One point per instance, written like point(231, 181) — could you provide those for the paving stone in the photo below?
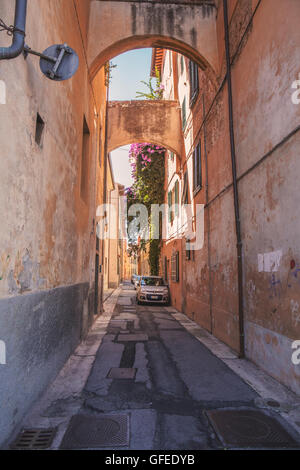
point(127, 316)
point(183, 432)
point(141, 364)
point(121, 373)
point(118, 324)
point(137, 337)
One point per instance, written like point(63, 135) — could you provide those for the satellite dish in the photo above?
point(59, 62)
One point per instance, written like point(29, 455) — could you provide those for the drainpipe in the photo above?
point(104, 195)
point(18, 32)
point(235, 186)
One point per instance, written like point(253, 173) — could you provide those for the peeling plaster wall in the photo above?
point(47, 232)
point(265, 65)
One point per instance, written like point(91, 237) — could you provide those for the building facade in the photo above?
point(205, 283)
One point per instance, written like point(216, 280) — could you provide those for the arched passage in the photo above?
point(116, 27)
point(156, 121)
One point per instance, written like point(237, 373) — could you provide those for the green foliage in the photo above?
point(148, 188)
point(153, 93)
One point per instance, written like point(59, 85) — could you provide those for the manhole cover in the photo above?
point(86, 431)
point(250, 428)
point(34, 439)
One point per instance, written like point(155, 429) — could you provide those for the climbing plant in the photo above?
point(148, 171)
point(153, 93)
point(147, 162)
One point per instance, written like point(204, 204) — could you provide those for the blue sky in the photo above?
point(132, 67)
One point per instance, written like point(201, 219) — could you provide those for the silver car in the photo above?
point(152, 289)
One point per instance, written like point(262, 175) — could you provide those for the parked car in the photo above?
point(152, 289)
point(135, 278)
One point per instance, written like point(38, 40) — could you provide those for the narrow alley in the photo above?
point(149, 236)
point(148, 374)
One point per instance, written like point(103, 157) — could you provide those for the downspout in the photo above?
point(104, 195)
point(18, 32)
point(235, 186)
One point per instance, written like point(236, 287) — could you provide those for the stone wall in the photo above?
point(47, 231)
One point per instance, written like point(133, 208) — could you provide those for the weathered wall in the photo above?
point(266, 126)
point(266, 119)
point(46, 228)
point(156, 121)
point(116, 27)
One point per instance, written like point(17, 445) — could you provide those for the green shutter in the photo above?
point(183, 113)
point(176, 198)
point(170, 206)
point(182, 64)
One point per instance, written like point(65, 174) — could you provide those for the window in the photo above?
point(176, 190)
point(85, 160)
point(170, 63)
point(187, 251)
point(197, 168)
point(39, 129)
point(185, 194)
point(182, 64)
point(172, 156)
point(166, 269)
point(194, 82)
point(175, 267)
point(183, 113)
point(100, 147)
point(170, 206)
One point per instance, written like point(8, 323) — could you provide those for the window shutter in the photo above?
point(176, 198)
point(197, 168)
point(170, 206)
point(194, 81)
point(183, 113)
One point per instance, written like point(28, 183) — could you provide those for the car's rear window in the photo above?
point(152, 281)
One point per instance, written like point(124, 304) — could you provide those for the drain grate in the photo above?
point(250, 428)
point(90, 432)
point(34, 439)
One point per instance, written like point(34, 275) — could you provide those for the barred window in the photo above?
point(175, 267)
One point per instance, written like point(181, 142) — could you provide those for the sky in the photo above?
point(132, 67)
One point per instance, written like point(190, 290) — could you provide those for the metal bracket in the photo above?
point(64, 49)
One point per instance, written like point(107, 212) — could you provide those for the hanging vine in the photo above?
point(147, 162)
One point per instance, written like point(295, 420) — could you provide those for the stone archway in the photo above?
point(158, 122)
point(188, 27)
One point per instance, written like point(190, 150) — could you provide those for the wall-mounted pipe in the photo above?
point(19, 32)
point(235, 185)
